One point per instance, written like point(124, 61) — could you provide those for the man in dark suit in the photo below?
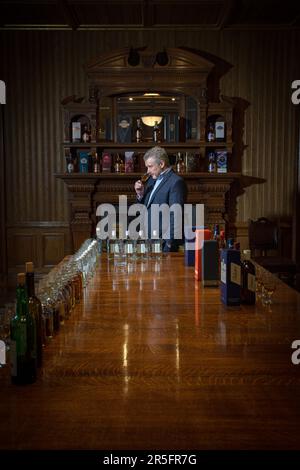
point(165, 187)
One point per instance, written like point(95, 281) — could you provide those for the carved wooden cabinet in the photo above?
point(196, 122)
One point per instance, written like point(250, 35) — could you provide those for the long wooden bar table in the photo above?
point(151, 360)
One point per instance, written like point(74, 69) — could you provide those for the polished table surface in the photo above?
point(151, 360)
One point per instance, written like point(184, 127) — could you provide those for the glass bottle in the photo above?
point(35, 308)
point(211, 162)
point(111, 245)
point(96, 164)
point(142, 246)
point(129, 245)
point(211, 132)
point(70, 164)
point(156, 246)
point(247, 279)
point(118, 165)
point(180, 166)
point(216, 234)
point(156, 132)
point(138, 132)
point(23, 339)
point(85, 135)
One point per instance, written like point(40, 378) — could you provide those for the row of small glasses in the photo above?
point(58, 292)
point(62, 288)
point(266, 284)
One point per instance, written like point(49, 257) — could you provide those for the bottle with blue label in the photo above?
point(230, 277)
point(84, 162)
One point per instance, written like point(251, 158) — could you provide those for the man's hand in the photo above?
point(139, 188)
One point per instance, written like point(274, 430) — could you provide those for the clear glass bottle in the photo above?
point(138, 132)
point(156, 246)
point(180, 165)
point(211, 132)
point(118, 164)
point(129, 245)
point(247, 279)
point(156, 133)
point(142, 246)
point(111, 245)
point(86, 136)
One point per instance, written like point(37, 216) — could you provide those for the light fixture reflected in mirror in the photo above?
point(151, 120)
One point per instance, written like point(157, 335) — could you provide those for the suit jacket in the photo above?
point(171, 190)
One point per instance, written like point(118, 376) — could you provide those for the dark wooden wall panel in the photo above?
point(53, 248)
point(45, 244)
point(40, 68)
point(22, 248)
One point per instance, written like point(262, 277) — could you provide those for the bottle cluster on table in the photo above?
point(124, 249)
point(219, 262)
point(40, 313)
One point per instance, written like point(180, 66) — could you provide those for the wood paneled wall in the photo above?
point(40, 68)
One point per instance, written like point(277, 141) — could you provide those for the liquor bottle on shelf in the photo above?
point(35, 308)
point(211, 132)
point(247, 279)
point(86, 136)
point(23, 339)
point(70, 164)
point(180, 165)
point(156, 133)
point(96, 163)
point(138, 132)
point(118, 164)
point(212, 162)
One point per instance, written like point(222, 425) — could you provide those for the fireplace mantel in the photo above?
point(87, 191)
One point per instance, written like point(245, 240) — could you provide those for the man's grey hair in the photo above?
point(159, 154)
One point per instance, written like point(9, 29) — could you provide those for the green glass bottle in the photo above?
point(23, 339)
point(35, 308)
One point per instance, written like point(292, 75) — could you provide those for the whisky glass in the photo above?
point(145, 177)
point(269, 287)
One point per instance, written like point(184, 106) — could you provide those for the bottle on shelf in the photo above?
point(212, 167)
point(23, 339)
point(247, 279)
point(211, 132)
point(86, 136)
point(156, 133)
point(180, 165)
point(96, 163)
point(70, 164)
point(138, 132)
point(35, 308)
point(118, 164)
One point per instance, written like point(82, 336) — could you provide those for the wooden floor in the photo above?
point(151, 360)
